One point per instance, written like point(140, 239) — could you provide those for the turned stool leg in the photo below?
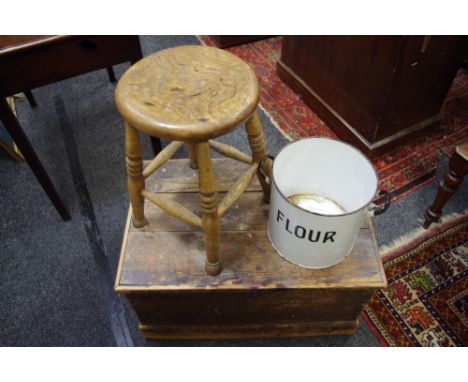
point(136, 182)
point(257, 145)
point(453, 178)
point(209, 203)
point(192, 155)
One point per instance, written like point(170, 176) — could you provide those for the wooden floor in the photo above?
point(258, 294)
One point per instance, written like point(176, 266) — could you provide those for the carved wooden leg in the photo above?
point(209, 203)
point(258, 147)
point(10, 122)
point(192, 155)
point(453, 178)
point(136, 182)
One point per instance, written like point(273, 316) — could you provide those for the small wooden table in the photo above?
point(27, 62)
point(259, 294)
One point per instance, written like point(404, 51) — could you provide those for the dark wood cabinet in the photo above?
point(226, 41)
point(373, 91)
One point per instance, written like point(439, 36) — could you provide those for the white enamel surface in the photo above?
point(325, 167)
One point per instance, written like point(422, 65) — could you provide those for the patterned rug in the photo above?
point(401, 170)
point(426, 302)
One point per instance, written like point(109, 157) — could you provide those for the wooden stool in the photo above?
point(453, 178)
point(191, 94)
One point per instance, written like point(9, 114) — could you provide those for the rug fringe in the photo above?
point(275, 124)
point(415, 237)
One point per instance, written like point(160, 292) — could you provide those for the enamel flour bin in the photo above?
point(339, 180)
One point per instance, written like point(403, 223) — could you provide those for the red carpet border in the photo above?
point(401, 170)
point(426, 301)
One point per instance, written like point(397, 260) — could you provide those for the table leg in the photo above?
point(30, 98)
point(259, 150)
point(111, 74)
point(21, 140)
point(192, 155)
point(209, 204)
point(136, 181)
point(452, 180)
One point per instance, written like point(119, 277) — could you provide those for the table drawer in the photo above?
point(61, 57)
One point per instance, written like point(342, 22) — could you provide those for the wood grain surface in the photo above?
point(259, 294)
point(135, 178)
point(10, 42)
point(259, 150)
point(188, 93)
point(264, 330)
point(177, 261)
point(209, 206)
point(174, 177)
point(452, 180)
point(162, 158)
point(230, 152)
point(375, 92)
point(60, 57)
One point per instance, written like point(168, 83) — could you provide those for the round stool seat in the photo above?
point(187, 93)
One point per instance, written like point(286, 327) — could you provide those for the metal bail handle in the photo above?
point(261, 170)
point(380, 209)
point(375, 209)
